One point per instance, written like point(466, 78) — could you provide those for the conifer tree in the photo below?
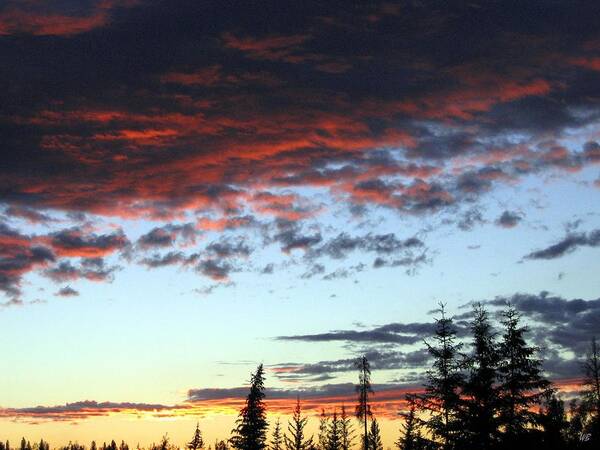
point(93, 446)
point(197, 442)
point(375, 442)
point(346, 430)
point(323, 429)
point(480, 396)
point(441, 401)
point(334, 437)
point(591, 383)
point(250, 432)
point(295, 438)
point(363, 408)
point(409, 430)
point(277, 442)
point(554, 424)
point(521, 383)
point(2, 447)
point(23, 444)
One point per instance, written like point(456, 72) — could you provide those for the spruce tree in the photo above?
point(554, 424)
point(296, 440)
point(375, 442)
point(277, 441)
point(346, 430)
point(480, 395)
point(441, 401)
point(323, 429)
point(591, 383)
point(197, 442)
point(409, 430)
point(363, 389)
point(521, 383)
point(250, 432)
point(334, 435)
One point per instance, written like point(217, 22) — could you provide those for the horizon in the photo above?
point(189, 189)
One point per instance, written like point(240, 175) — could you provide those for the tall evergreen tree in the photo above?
point(346, 430)
point(277, 442)
point(591, 383)
point(334, 435)
point(375, 442)
point(441, 400)
point(364, 390)
point(409, 430)
point(323, 430)
point(295, 438)
point(554, 424)
point(521, 383)
point(197, 442)
point(93, 446)
point(23, 444)
point(479, 422)
point(250, 432)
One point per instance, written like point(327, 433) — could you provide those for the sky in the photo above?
point(189, 189)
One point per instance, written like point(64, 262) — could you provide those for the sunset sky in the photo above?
point(190, 188)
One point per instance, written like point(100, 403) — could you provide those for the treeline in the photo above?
point(488, 393)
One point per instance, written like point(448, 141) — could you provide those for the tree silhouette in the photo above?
point(363, 389)
point(441, 400)
point(521, 383)
point(479, 407)
point(296, 440)
point(334, 435)
point(553, 421)
point(375, 442)
point(323, 429)
point(277, 442)
point(409, 429)
point(591, 384)
point(250, 432)
point(346, 430)
point(197, 442)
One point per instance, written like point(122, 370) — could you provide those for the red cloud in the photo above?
point(17, 18)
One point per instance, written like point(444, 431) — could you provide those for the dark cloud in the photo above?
point(391, 333)
point(168, 259)
point(76, 242)
point(217, 270)
point(509, 219)
point(80, 410)
point(67, 291)
point(470, 219)
point(92, 269)
point(166, 236)
point(556, 322)
point(567, 245)
point(29, 214)
point(19, 254)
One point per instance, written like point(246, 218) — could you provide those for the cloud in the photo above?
point(559, 326)
point(19, 254)
point(509, 219)
point(91, 269)
point(67, 291)
point(76, 242)
point(165, 236)
point(568, 244)
point(83, 410)
point(397, 333)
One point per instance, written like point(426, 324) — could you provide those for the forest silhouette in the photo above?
point(488, 392)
